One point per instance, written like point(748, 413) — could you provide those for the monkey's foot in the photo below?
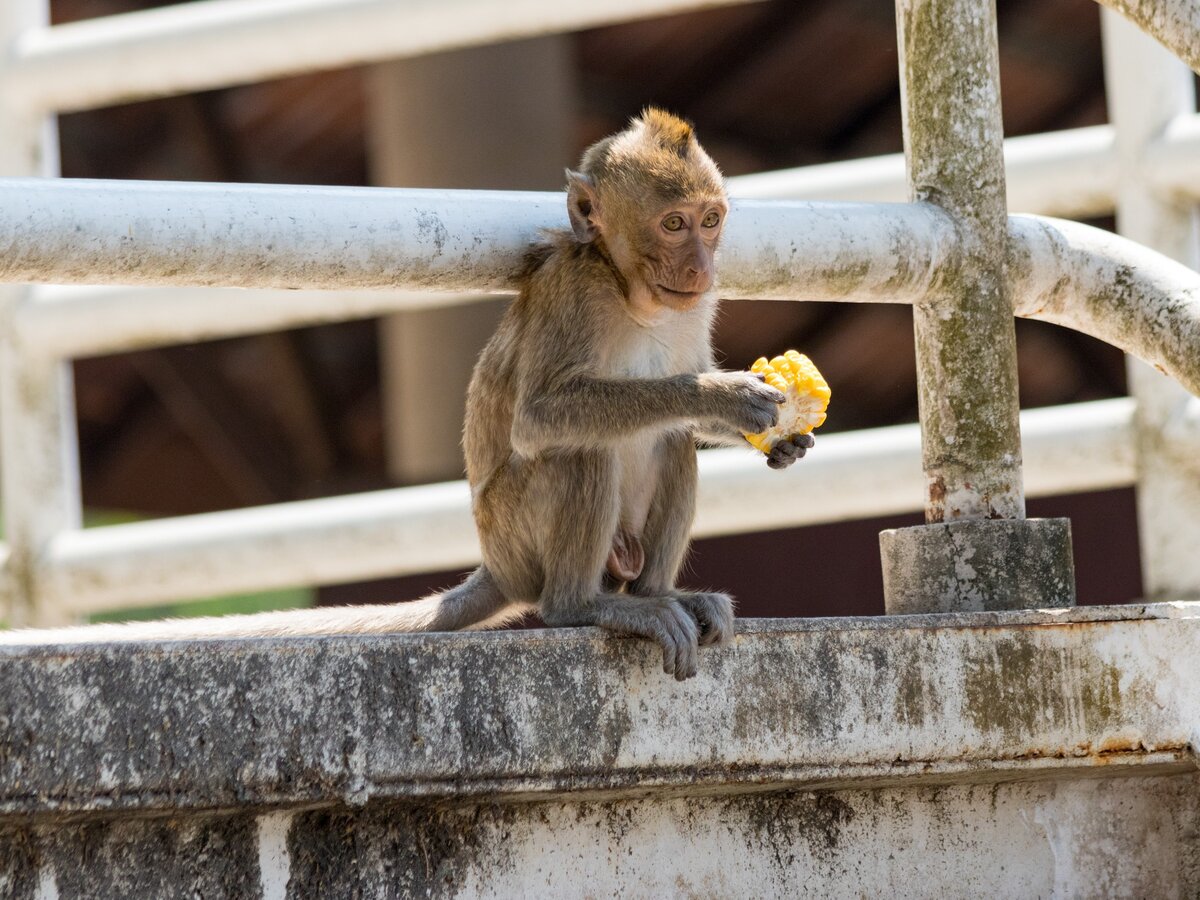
point(666, 621)
point(713, 612)
point(662, 619)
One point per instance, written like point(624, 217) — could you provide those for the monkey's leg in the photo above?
point(665, 540)
point(578, 501)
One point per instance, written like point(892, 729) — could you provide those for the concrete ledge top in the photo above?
point(95, 729)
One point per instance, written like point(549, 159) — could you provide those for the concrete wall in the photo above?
point(1127, 837)
point(957, 755)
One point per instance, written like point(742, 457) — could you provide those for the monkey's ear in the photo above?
point(581, 207)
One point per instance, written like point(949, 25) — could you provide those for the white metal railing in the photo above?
point(1071, 173)
point(1069, 449)
point(296, 238)
point(216, 43)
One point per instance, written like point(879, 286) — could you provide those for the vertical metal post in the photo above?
point(977, 551)
point(1147, 88)
point(40, 468)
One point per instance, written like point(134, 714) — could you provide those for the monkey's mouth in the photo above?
point(677, 299)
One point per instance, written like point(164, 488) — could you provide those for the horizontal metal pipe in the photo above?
point(1109, 287)
point(1069, 173)
point(1062, 173)
point(162, 233)
point(71, 321)
point(216, 43)
point(470, 241)
point(859, 474)
point(376, 239)
point(311, 542)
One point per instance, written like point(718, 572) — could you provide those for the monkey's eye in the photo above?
point(711, 220)
point(672, 223)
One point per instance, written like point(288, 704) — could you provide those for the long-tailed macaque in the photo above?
point(582, 421)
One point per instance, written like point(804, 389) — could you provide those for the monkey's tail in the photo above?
point(476, 603)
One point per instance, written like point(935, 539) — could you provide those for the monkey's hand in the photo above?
point(742, 399)
point(790, 449)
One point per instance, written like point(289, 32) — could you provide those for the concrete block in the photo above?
point(906, 756)
point(978, 564)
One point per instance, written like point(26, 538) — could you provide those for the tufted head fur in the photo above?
point(658, 155)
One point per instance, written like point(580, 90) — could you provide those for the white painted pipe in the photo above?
point(1070, 173)
point(327, 541)
point(163, 233)
point(70, 321)
point(1063, 173)
point(1172, 163)
point(158, 233)
point(1109, 287)
point(859, 474)
point(1151, 98)
point(216, 43)
point(461, 241)
point(1173, 23)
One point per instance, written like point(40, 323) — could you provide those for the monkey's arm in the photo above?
point(581, 411)
point(717, 434)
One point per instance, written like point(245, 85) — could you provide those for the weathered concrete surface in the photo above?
point(980, 564)
point(907, 756)
point(1133, 837)
point(1128, 837)
point(204, 725)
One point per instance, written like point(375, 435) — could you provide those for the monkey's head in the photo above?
point(656, 202)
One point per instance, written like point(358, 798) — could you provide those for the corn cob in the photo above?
point(807, 397)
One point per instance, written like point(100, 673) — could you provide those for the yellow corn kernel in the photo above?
point(807, 393)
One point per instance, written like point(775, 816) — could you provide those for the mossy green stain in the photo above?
point(1017, 685)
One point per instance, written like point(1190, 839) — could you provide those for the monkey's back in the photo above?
point(550, 312)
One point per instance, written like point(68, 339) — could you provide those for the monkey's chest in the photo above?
point(648, 353)
point(674, 348)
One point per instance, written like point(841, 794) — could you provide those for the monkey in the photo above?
point(582, 419)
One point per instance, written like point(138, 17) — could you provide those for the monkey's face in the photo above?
point(665, 250)
point(679, 241)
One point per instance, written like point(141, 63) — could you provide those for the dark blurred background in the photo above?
point(340, 408)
